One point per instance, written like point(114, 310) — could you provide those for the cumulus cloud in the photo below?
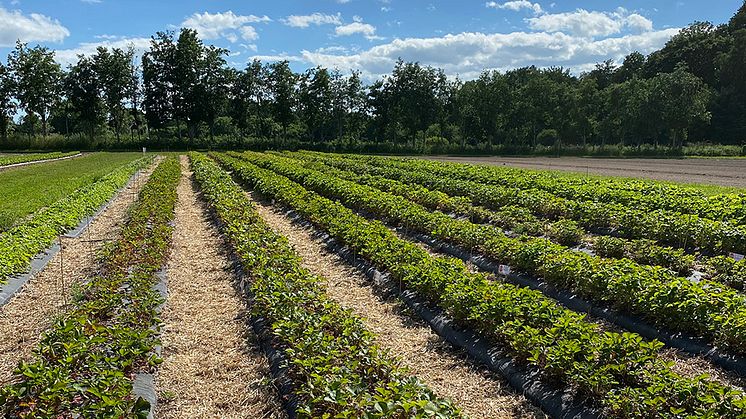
point(70, 56)
point(516, 5)
point(34, 27)
point(304, 21)
point(357, 27)
point(590, 23)
point(226, 25)
point(468, 54)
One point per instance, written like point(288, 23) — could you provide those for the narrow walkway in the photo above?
point(30, 312)
point(480, 393)
point(211, 367)
point(28, 163)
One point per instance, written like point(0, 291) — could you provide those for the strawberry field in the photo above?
point(352, 277)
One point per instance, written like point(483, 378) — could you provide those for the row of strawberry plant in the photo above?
point(85, 364)
point(519, 221)
point(335, 366)
point(705, 308)
point(20, 244)
point(650, 195)
point(619, 371)
point(26, 158)
point(680, 230)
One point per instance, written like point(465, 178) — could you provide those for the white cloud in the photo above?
point(590, 23)
point(468, 54)
point(304, 21)
point(248, 33)
point(224, 25)
point(91, 1)
point(515, 5)
point(357, 27)
point(70, 56)
point(34, 27)
point(640, 23)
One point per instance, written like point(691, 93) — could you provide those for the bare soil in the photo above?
point(722, 172)
point(480, 393)
point(32, 310)
point(212, 366)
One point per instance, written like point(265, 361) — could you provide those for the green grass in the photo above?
point(25, 190)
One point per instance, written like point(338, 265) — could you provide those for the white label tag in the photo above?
point(737, 256)
point(503, 270)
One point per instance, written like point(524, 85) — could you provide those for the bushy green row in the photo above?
point(705, 308)
point(85, 363)
point(20, 244)
point(619, 371)
point(518, 220)
point(664, 226)
point(25, 158)
point(644, 194)
point(336, 368)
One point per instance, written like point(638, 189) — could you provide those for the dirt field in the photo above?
point(723, 172)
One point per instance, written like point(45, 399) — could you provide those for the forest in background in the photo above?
point(687, 98)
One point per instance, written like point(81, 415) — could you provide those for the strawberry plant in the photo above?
point(610, 368)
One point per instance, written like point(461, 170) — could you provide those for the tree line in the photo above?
point(184, 94)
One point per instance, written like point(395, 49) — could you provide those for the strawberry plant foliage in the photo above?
point(619, 371)
point(20, 244)
point(85, 363)
point(336, 368)
point(705, 308)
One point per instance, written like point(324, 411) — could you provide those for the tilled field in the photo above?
point(722, 172)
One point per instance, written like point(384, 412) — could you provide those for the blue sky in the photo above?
point(463, 37)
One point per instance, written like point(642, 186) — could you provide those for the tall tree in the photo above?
point(282, 82)
point(7, 105)
point(115, 73)
point(37, 79)
point(159, 80)
point(684, 102)
point(84, 89)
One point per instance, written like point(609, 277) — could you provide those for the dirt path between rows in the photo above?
point(723, 172)
point(211, 367)
point(31, 311)
point(480, 393)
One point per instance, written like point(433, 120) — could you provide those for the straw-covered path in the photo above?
point(212, 367)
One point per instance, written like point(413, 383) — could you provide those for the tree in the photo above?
point(684, 101)
point(115, 73)
point(212, 87)
point(84, 89)
point(730, 112)
point(7, 105)
point(698, 46)
point(37, 79)
point(282, 82)
point(159, 80)
point(247, 98)
point(315, 103)
point(632, 66)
